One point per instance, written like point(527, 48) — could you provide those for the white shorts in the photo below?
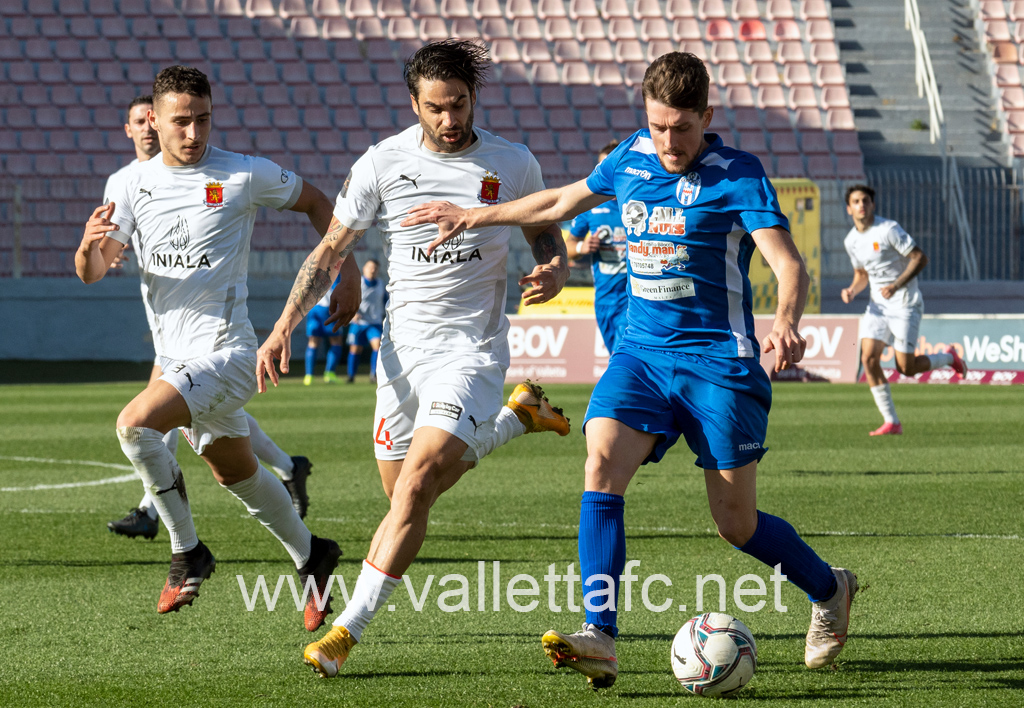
point(457, 391)
point(215, 387)
point(896, 327)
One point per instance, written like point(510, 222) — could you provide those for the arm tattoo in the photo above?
point(546, 247)
point(311, 284)
point(334, 233)
point(351, 246)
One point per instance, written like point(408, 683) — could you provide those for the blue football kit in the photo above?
point(609, 267)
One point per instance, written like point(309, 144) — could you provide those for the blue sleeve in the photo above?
point(580, 226)
point(752, 200)
point(602, 179)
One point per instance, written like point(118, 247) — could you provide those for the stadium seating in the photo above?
point(1002, 26)
point(312, 83)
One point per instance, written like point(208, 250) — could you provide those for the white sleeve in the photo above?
point(901, 240)
point(117, 191)
point(857, 265)
point(270, 185)
point(359, 199)
point(533, 181)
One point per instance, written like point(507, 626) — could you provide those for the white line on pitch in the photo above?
point(70, 485)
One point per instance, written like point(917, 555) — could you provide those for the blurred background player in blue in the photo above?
point(316, 329)
point(365, 328)
point(600, 234)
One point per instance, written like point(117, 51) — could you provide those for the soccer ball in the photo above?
point(714, 655)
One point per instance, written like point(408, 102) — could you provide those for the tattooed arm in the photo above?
point(548, 278)
point(312, 283)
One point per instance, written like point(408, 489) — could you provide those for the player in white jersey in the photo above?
point(885, 257)
point(192, 209)
point(293, 470)
point(444, 351)
point(367, 326)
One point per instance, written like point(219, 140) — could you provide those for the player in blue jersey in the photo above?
point(600, 234)
point(688, 363)
point(366, 327)
point(317, 329)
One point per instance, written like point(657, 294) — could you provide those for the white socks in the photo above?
point(268, 451)
point(266, 499)
point(373, 588)
point(940, 360)
point(883, 399)
point(506, 427)
point(146, 505)
point(162, 478)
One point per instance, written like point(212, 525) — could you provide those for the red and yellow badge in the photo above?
point(214, 194)
point(875, 245)
point(489, 188)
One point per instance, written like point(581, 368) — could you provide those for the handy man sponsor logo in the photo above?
point(214, 194)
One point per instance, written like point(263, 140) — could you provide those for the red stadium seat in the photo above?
point(719, 30)
point(786, 31)
point(752, 31)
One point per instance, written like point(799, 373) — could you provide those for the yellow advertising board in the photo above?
point(800, 201)
point(571, 301)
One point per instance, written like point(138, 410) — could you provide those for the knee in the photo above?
point(600, 475)
point(416, 493)
point(131, 417)
point(736, 526)
point(869, 360)
point(137, 441)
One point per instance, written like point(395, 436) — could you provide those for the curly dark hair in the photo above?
point(181, 79)
point(678, 80)
point(140, 101)
point(449, 59)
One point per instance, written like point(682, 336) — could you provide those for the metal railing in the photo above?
point(927, 87)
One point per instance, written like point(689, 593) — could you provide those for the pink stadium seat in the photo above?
point(659, 48)
point(24, 27)
point(590, 28)
point(159, 50)
point(715, 97)
point(386, 9)
point(529, 117)
point(635, 73)
point(617, 97)
point(558, 28)
point(175, 28)
point(834, 97)
point(813, 10)
point(1016, 10)
point(752, 31)
point(598, 50)
point(276, 97)
point(51, 72)
point(624, 119)
point(764, 74)
point(127, 50)
point(567, 50)
point(481, 9)
point(34, 141)
point(686, 29)
point(824, 53)
point(379, 119)
point(1018, 145)
point(493, 28)
point(820, 167)
point(369, 96)
point(114, 28)
point(720, 123)
point(255, 117)
point(732, 74)
point(504, 50)
point(724, 51)
point(677, 9)
point(501, 119)
point(654, 30)
point(240, 28)
point(465, 28)
point(191, 8)
point(845, 142)
point(756, 52)
point(132, 8)
point(540, 141)
point(997, 31)
point(38, 49)
point(19, 165)
point(583, 9)
point(797, 74)
point(259, 8)
point(746, 119)
point(829, 75)
point(779, 9)
point(593, 119)
point(607, 75)
point(227, 8)
point(238, 141)
point(719, 30)
point(526, 28)
point(515, 9)
point(850, 166)
point(790, 52)
point(802, 97)
point(1018, 34)
point(534, 51)
point(220, 50)
point(814, 142)
point(612, 9)
point(630, 50)
point(820, 31)
point(339, 28)
point(292, 8)
point(739, 97)
point(776, 119)
point(83, 27)
point(597, 139)
point(786, 31)
point(752, 141)
point(76, 118)
point(547, 74)
point(647, 10)
point(419, 9)
point(784, 143)
point(621, 28)
point(770, 97)
point(35, 95)
point(1012, 98)
point(790, 166)
point(696, 48)
point(370, 28)
point(577, 74)
point(65, 8)
point(327, 8)
point(547, 9)
point(1015, 121)
point(522, 97)
point(711, 10)
point(434, 28)
point(570, 141)
point(359, 9)
point(283, 50)
point(82, 72)
point(251, 50)
point(400, 28)
point(839, 119)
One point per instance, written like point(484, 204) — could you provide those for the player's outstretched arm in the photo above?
point(916, 261)
point(97, 251)
point(552, 270)
point(860, 281)
point(537, 209)
point(777, 247)
point(312, 283)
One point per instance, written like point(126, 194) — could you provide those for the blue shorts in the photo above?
point(360, 335)
point(612, 323)
point(315, 326)
point(719, 405)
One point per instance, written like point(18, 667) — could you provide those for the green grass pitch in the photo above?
point(932, 521)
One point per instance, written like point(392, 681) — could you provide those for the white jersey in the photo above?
point(883, 252)
point(191, 227)
point(455, 298)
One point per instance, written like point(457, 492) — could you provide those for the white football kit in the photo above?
point(444, 350)
point(883, 252)
point(191, 228)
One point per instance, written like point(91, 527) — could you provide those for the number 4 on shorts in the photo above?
point(386, 442)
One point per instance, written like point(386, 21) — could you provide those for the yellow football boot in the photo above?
point(531, 406)
point(327, 655)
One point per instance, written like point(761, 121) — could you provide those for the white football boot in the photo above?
point(589, 651)
point(829, 622)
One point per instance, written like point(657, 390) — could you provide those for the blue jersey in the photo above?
point(689, 244)
point(609, 263)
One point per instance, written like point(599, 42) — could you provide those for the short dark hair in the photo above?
point(140, 101)
point(607, 149)
point(446, 60)
point(181, 79)
point(678, 80)
point(372, 260)
point(860, 188)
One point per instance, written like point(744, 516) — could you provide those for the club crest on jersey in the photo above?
point(634, 217)
point(214, 194)
point(489, 188)
point(875, 245)
point(688, 188)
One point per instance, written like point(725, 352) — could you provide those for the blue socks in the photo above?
point(353, 364)
point(373, 363)
point(333, 355)
point(310, 360)
point(776, 541)
point(602, 543)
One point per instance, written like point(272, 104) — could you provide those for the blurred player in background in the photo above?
point(365, 328)
point(192, 212)
point(317, 329)
point(688, 363)
point(885, 257)
point(293, 470)
point(444, 350)
point(600, 234)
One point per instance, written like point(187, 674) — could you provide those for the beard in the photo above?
point(437, 138)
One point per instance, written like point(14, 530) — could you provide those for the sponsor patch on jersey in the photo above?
point(449, 410)
point(634, 217)
point(667, 220)
point(874, 246)
point(651, 257)
point(214, 194)
point(178, 237)
point(489, 188)
point(688, 188)
point(665, 289)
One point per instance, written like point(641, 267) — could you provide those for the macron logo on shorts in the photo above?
point(746, 447)
point(446, 409)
